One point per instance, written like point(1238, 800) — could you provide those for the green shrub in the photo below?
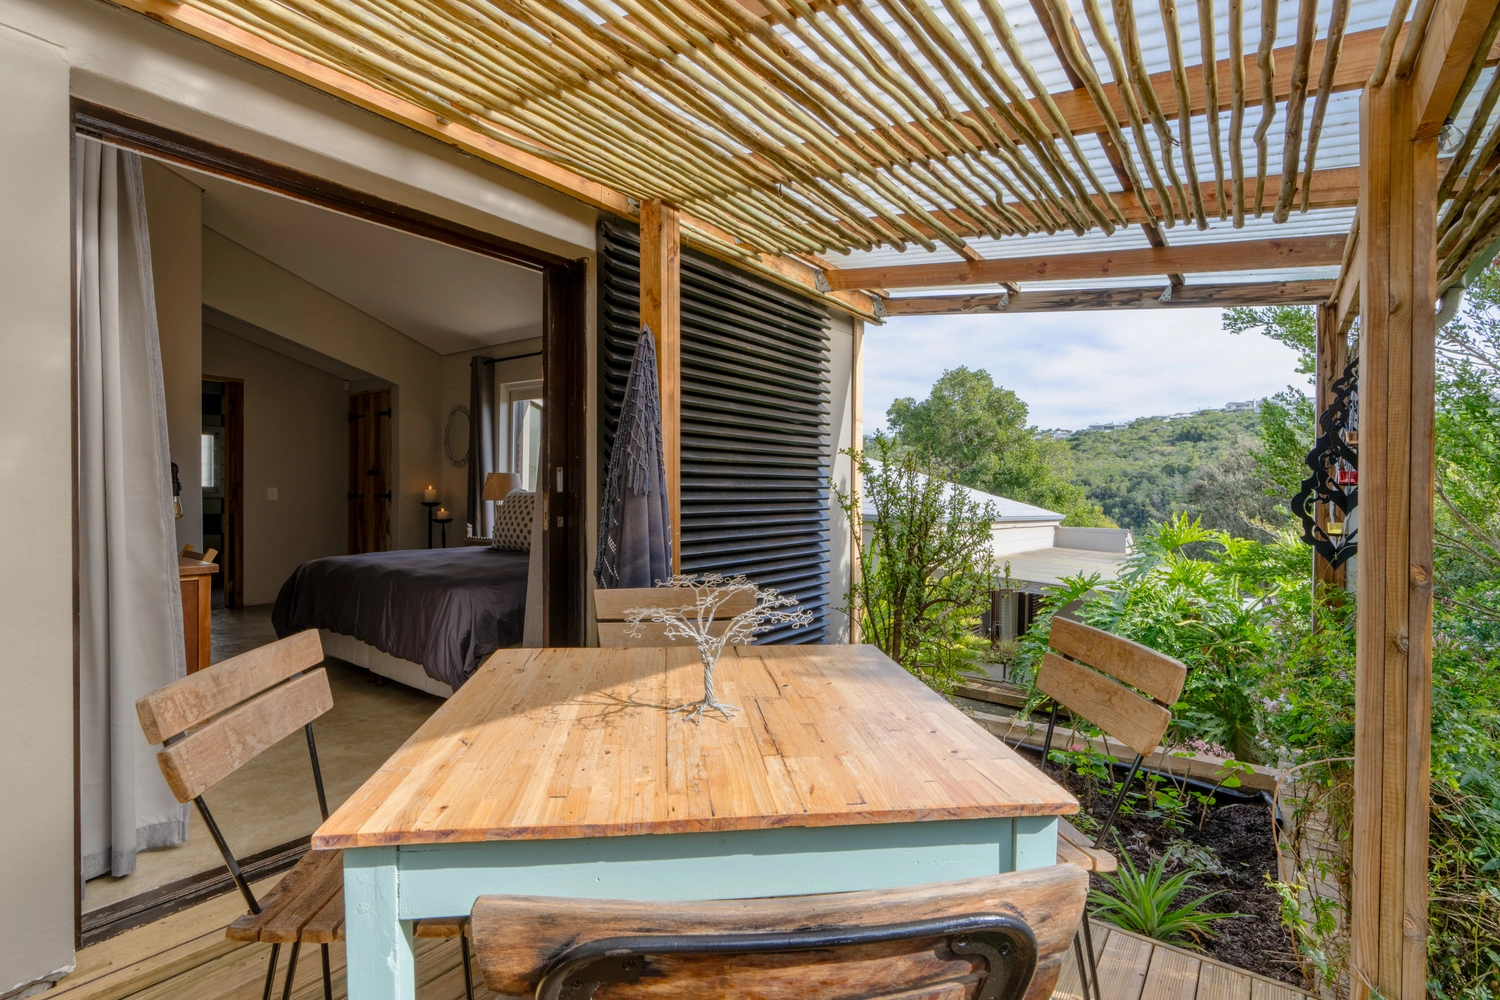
point(1142, 902)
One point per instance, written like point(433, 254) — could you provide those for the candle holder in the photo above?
point(444, 521)
point(430, 504)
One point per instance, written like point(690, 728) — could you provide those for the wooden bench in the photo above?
point(1000, 936)
point(610, 607)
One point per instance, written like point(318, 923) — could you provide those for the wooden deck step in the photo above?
point(1132, 967)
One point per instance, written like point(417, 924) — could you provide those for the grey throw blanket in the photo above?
point(635, 538)
point(447, 609)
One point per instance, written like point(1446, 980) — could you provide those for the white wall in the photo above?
point(174, 213)
point(37, 855)
point(296, 440)
point(255, 290)
point(1010, 537)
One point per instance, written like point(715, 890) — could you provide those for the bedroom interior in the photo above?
point(318, 373)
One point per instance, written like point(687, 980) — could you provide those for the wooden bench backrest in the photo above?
point(1100, 677)
point(237, 709)
point(519, 939)
point(610, 607)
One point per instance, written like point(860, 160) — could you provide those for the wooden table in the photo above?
point(197, 609)
point(559, 772)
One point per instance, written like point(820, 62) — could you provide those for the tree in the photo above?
point(926, 570)
point(977, 433)
point(1287, 420)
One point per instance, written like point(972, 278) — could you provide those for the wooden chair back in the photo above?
point(236, 710)
point(1122, 687)
point(1000, 937)
point(610, 607)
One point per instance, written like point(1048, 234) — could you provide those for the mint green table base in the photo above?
point(386, 888)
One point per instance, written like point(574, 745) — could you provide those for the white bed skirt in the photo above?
point(362, 654)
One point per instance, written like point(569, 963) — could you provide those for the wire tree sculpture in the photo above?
point(694, 620)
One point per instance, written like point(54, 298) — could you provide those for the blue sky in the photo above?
point(1074, 369)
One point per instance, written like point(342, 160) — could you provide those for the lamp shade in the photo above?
point(497, 485)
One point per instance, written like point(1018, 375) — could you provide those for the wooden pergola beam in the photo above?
point(1393, 649)
point(1332, 356)
point(1086, 299)
point(1242, 255)
point(1449, 48)
point(661, 313)
point(1337, 187)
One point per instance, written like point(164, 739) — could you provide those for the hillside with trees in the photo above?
point(1204, 464)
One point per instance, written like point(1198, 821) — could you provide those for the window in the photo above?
point(520, 436)
point(209, 455)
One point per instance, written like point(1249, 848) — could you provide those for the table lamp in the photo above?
point(497, 485)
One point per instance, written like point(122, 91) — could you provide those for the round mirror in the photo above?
point(456, 435)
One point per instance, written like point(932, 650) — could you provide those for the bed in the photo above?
point(426, 618)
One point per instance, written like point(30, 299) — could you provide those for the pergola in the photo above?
point(939, 156)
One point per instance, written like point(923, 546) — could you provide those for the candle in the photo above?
point(429, 495)
point(442, 514)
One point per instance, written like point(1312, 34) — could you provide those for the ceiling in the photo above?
point(446, 299)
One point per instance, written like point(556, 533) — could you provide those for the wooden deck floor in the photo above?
point(185, 957)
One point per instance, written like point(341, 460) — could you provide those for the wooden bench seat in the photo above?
point(307, 905)
point(1075, 848)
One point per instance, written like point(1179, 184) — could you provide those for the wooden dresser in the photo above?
point(197, 604)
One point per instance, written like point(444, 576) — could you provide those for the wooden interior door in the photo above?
point(369, 471)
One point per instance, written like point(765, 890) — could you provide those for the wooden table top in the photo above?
point(195, 567)
point(555, 743)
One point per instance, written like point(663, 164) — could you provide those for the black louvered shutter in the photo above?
point(755, 431)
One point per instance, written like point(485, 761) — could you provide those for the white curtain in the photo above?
point(130, 629)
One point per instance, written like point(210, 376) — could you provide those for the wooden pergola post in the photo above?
point(1333, 355)
point(1393, 681)
point(661, 310)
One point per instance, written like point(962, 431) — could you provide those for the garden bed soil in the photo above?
point(1242, 836)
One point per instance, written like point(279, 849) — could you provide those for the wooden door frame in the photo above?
point(234, 488)
point(564, 357)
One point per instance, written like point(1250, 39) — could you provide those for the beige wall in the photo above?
point(255, 290)
point(37, 856)
point(297, 441)
point(174, 213)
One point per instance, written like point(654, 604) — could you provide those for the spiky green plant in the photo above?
point(1143, 904)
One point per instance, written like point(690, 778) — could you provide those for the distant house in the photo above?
point(1245, 406)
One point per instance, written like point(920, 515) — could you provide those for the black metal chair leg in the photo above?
point(1119, 801)
point(1088, 946)
point(291, 970)
point(1083, 969)
point(271, 971)
point(327, 976)
point(463, 945)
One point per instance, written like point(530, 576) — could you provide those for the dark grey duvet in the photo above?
point(446, 609)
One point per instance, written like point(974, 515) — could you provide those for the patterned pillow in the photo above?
point(513, 522)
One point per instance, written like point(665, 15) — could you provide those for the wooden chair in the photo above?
point(213, 722)
point(1000, 937)
point(610, 607)
point(1125, 689)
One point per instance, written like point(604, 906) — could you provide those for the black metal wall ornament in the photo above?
point(1334, 461)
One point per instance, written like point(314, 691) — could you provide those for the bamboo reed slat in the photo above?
point(1388, 42)
point(1265, 60)
point(1209, 60)
point(1237, 107)
point(1130, 39)
point(1338, 20)
point(1291, 149)
point(1184, 106)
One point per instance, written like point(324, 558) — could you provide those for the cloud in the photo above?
point(1075, 369)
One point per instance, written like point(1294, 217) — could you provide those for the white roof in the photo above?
point(1049, 567)
point(1008, 510)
